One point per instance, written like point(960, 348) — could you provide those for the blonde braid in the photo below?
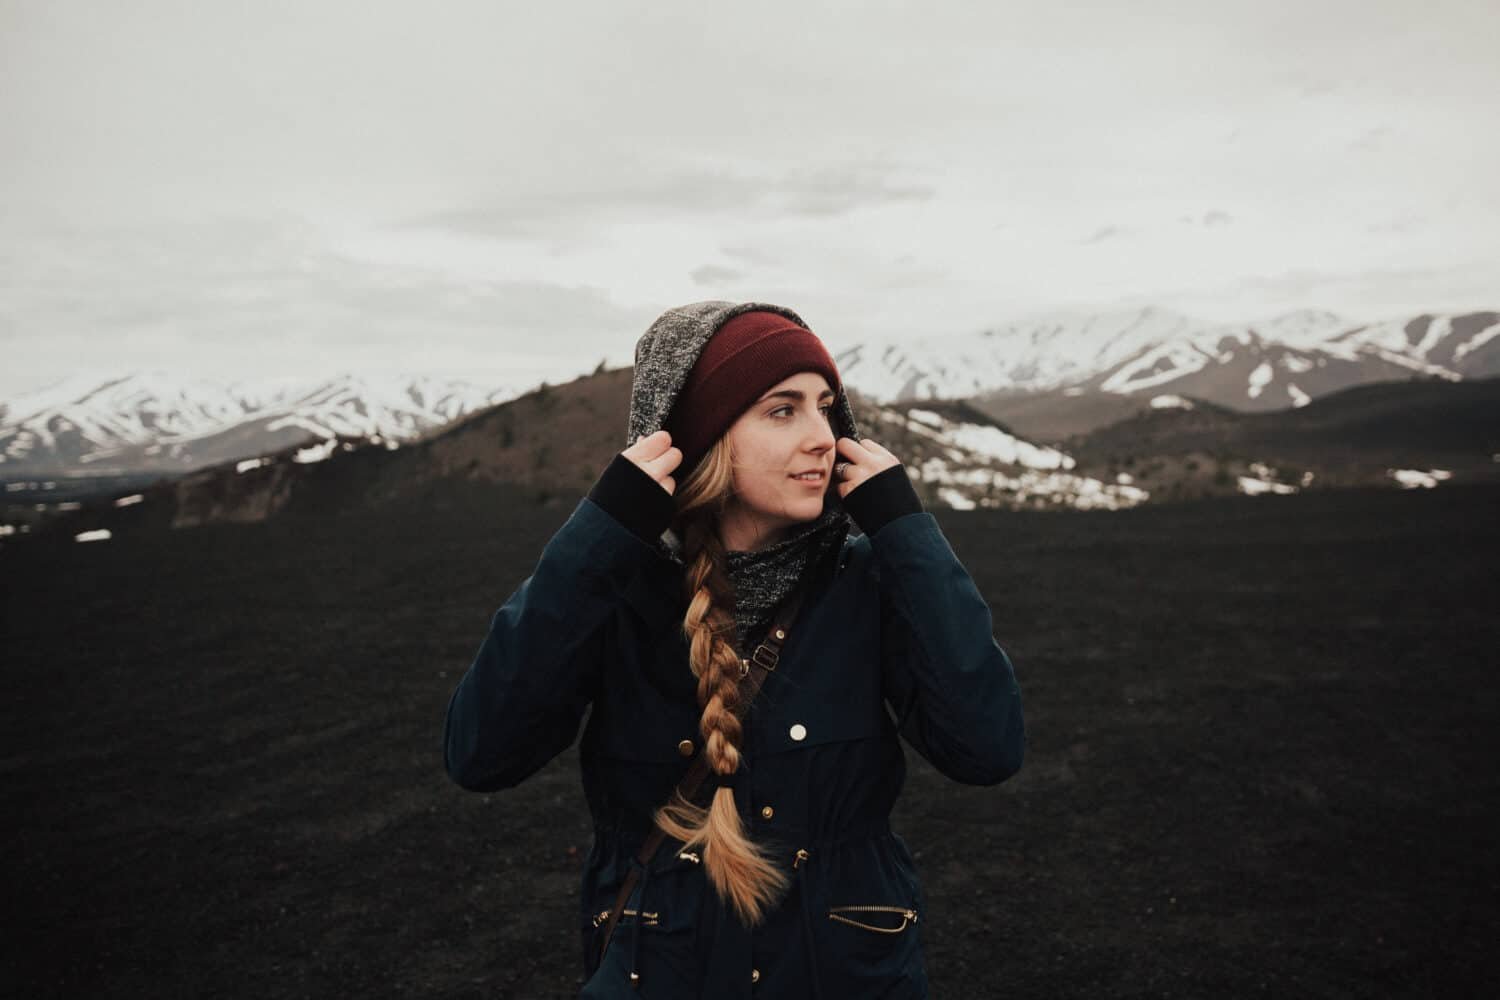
point(737, 868)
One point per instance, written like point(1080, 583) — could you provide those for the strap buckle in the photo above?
point(764, 656)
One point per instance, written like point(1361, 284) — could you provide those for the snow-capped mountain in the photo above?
point(150, 421)
point(1045, 352)
point(1467, 343)
point(549, 446)
point(1282, 362)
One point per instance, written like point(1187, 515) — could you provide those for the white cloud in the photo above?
point(353, 179)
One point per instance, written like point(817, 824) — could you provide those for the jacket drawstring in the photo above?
point(800, 867)
point(640, 923)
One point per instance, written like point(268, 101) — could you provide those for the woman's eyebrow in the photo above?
point(796, 394)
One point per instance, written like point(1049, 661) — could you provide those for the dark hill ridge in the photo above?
point(1051, 416)
point(1349, 438)
point(1410, 419)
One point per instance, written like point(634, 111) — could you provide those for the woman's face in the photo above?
point(788, 430)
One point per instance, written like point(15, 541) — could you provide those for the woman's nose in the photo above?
point(822, 435)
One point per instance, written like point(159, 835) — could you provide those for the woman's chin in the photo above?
point(806, 508)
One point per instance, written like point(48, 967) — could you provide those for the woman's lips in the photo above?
point(817, 480)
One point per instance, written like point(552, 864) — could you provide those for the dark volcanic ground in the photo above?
point(1262, 737)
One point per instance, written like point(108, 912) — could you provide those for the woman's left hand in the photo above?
point(859, 460)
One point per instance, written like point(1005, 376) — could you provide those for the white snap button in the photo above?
point(798, 732)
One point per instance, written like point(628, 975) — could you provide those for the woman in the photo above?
point(743, 470)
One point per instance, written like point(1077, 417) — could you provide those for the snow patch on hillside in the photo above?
point(315, 453)
point(967, 488)
point(1259, 379)
point(1168, 401)
point(1264, 479)
point(1411, 479)
point(988, 442)
point(1477, 341)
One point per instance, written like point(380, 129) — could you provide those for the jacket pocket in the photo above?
point(651, 923)
point(877, 918)
point(658, 940)
point(871, 949)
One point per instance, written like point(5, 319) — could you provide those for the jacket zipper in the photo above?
point(909, 916)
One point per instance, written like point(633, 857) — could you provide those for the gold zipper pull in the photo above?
point(802, 856)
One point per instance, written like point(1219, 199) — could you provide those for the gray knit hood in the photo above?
point(667, 350)
point(664, 356)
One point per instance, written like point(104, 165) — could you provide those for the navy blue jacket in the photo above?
point(893, 637)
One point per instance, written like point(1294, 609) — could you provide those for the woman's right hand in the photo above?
point(655, 454)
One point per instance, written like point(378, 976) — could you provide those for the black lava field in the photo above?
point(1262, 736)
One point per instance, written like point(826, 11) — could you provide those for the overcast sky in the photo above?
point(226, 188)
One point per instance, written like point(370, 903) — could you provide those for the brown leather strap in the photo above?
point(757, 668)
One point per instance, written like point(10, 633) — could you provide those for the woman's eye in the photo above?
point(825, 410)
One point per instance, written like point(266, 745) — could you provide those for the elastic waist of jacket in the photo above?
point(857, 832)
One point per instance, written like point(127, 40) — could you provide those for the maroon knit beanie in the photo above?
point(747, 355)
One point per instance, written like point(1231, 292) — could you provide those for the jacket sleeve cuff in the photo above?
point(627, 493)
point(882, 498)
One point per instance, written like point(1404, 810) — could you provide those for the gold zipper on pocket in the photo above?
point(650, 921)
point(908, 916)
